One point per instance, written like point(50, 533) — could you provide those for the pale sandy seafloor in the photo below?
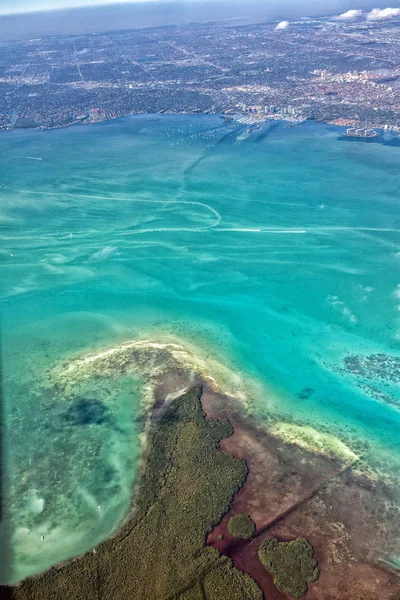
point(302, 482)
point(155, 361)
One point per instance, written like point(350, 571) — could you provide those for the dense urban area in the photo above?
point(333, 71)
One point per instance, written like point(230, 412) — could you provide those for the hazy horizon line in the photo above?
point(99, 4)
point(118, 16)
point(93, 4)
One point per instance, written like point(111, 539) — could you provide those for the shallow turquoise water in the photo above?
point(279, 251)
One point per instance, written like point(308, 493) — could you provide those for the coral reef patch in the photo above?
point(374, 366)
point(378, 375)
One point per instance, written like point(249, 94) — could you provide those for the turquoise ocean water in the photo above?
point(277, 252)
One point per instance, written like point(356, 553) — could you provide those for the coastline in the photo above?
point(167, 366)
point(290, 122)
point(384, 138)
point(312, 470)
point(290, 491)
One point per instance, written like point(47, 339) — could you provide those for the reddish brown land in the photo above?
point(352, 521)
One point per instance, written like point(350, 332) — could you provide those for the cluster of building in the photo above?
point(371, 78)
point(301, 72)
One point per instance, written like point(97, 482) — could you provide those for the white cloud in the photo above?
point(282, 25)
point(378, 14)
point(349, 15)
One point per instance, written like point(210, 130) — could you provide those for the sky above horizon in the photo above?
point(23, 6)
